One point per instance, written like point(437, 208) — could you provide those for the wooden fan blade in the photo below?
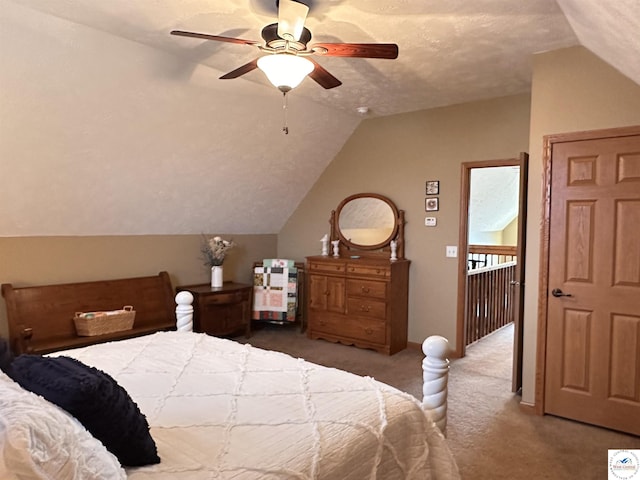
point(206, 36)
point(323, 77)
point(291, 17)
point(246, 68)
point(361, 50)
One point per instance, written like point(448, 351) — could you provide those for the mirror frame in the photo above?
point(382, 249)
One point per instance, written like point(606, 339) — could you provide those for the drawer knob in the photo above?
point(364, 308)
point(365, 290)
point(368, 331)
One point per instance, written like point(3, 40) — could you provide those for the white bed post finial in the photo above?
point(435, 368)
point(184, 311)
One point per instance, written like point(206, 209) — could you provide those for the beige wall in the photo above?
point(572, 91)
point(510, 233)
point(485, 238)
point(395, 156)
point(26, 261)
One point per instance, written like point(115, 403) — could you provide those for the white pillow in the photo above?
point(39, 440)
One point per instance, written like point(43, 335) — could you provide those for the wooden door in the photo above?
point(593, 290)
point(518, 285)
point(327, 293)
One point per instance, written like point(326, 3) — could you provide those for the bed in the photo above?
point(216, 409)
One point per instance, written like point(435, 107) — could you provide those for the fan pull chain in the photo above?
point(285, 127)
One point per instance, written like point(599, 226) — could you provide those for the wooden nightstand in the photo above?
point(221, 311)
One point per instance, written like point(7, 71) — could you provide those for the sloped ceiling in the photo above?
point(611, 30)
point(493, 199)
point(112, 126)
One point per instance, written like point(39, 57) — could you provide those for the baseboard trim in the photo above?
point(528, 408)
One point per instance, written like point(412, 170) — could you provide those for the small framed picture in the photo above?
point(433, 187)
point(431, 204)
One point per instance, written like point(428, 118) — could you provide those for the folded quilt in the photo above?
point(275, 293)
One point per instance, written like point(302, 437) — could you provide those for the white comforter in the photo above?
point(222, 410)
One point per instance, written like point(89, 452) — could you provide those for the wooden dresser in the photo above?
point(361, 302)
point(358, 290)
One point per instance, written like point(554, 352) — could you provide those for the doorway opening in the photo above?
point(491, 261)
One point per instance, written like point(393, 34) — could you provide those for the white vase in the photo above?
point(216, 276)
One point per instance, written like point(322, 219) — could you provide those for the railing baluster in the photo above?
point(489, 304)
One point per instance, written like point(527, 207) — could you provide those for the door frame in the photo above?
point(463, 247)
point(543, 284)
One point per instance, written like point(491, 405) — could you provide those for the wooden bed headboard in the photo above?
point(41, 317)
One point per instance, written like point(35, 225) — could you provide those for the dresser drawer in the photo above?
point(224, 298)
point(378, 271)
point(319, 267)
point(366, 288)
point(365, 307)
point(373, 331)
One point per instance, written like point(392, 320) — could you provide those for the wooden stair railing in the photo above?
point(489, 255)
point(489, 303)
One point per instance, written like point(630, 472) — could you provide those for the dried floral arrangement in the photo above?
point(215, 249)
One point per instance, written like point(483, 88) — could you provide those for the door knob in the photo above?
point(556, 292)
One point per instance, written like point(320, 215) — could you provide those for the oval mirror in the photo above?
point(367, 221)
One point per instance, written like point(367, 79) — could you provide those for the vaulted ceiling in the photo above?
point(493, 198)
point(138, 117)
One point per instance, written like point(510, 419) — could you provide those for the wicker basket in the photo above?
point(99, 323)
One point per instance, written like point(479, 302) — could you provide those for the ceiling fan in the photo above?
point(288, 60)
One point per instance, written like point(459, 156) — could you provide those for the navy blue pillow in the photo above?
point(6, 356)
point(95, 399)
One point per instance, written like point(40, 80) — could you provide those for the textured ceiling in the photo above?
point(493, 202)
point(611, 30)
point(136, 134)
point(450, 52)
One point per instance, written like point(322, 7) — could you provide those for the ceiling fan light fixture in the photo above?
point(285, 70)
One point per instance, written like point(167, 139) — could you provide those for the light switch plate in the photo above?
point(452, 251)
point(430, 221)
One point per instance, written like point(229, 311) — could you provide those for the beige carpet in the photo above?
point(488, 434)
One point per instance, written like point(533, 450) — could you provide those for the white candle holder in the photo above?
point(336, 247)
point(325, 245)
